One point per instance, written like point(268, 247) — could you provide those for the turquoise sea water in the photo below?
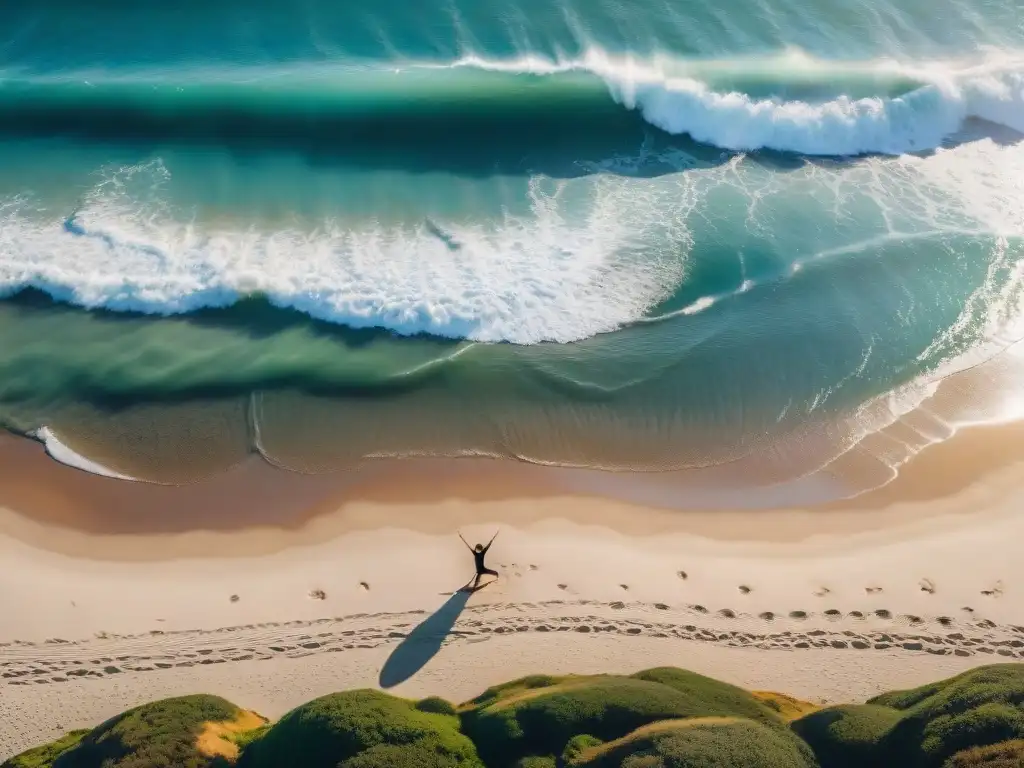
point(650, 235)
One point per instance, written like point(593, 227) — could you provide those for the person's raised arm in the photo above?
point(466, 542)
point(492, 539)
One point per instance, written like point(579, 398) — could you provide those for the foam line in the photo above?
point(60, 452)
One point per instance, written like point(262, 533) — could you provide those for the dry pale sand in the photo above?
point(112, 594)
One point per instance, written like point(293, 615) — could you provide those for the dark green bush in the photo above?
point(154, 735)
point(704, 743)
point(924, 727)
point(43, 757)
point(537, 762)
point(419, 755)
point(519, 685)
point(334, 729)
point(437, 705)
point(847, 736)
point(978, 708)
point(515, 721)
point(710, 696)
point(245, 738)
point(1007, 754)
point(659, 718)
point(578, 745)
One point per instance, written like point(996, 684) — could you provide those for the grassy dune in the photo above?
point(659, 718)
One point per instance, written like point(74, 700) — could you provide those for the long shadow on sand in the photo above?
point(423, 643)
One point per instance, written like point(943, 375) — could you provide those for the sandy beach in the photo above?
point(270, 589)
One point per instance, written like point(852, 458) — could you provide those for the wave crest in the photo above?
point(552, 275)
point(790, 103)
point(796, 103)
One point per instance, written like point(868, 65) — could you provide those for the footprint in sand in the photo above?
point(534, 568)
point(745, 589)
point(682, 575)
point(882, 613)
point(798, 615)
point(872, 590)
point(927, 585)
point(364, 586)
point(767, 616)
point(624, 586)
point(317, 594)
point(563, 587)
point(996, 591)
point(967, 609)
point(821, 592)
point(234, 598)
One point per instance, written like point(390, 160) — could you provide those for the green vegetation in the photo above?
point(704, 742)
point(847, 736)
point(927, 727)
point(437, 705)
point(540, 715)
point(659, 718)
point(243, 739)
point(578, 745)
point(164, 733)
point(43, 757)
point(708, 697)
point(1006, 754)
point(787, 707)
point(515, 687)
point(359, 729)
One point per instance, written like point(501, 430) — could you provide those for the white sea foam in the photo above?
point(680, 97)
point(593, 254)
point(552, 275)
point(60, 452)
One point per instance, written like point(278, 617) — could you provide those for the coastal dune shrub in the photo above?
point(978, 708)
point(437, 705)
point(518, 686)
point(419, 755)
point(789, 708)
point(659, 718)
point(923, 727)
point(43, 757)
point(516, 720)
point(157, 735)
point(847, 736)
point(1006, 754)
point(702, 743)
point(711, 697)
point(578, 745)
point(360, 729)
point(536, 762)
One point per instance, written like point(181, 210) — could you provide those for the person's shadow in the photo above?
point(423, 643)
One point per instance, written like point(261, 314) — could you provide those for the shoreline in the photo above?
point(256, 509)
point(811, 608)
point(113, 594)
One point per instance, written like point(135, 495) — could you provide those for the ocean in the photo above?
point(645, 237)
